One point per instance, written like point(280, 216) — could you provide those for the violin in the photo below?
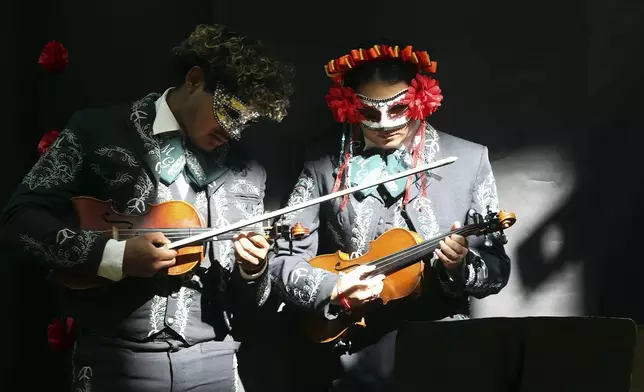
point(398, 255)
point(177, 220)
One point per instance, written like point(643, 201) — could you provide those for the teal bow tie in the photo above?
point(373, 167)
point(199, 168)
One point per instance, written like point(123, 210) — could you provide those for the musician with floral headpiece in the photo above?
point(383, 96)
point(143, 329)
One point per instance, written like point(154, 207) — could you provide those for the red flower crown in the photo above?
point(423, 97)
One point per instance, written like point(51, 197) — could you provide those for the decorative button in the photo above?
point(170, 320)
point(380, 221)
point(174, 295)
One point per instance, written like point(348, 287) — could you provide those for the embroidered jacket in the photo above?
point(451, 192)
point(110, 154)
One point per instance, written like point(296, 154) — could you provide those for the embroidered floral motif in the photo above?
point(184, 300)
point(361, 226)
point(399, 220)
point(126, 155)
point(432, 146)
point(84, 377)
point(302, 192)
point(142, 190)
point(223, 249)
point(304, 284)
point(195, 166)
point(201, 203)
point(120, 178)
point(429, 227)
point(486, 195)
point(158, 307)
point(164, 193)
point(82, 245)
point(63, 235)
point(243, 186)
point(145, 132)
point(60, 165)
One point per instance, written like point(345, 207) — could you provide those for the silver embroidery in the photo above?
point(362, 225)
point(126, 155)
point(223, 249)
point(120, 178)
point(157, 314)
point(142, 191)
point(81, 248)
point(59, 165)
point(302, 192)
point(145, 132)
point(184, 300)
point(63, 235)
point(429, 227)
point(306, 292)
point(164, 193)
point(201, 202)
point(242, 185)
point(399, 220)
point(431, 143)
point(85, 377)
point(486, 195)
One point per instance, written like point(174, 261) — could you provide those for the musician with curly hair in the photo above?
point(140, 328)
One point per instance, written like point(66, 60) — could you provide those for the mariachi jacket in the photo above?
point(451, 192)
point(110, 154)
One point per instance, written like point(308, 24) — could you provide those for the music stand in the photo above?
point(515, 354)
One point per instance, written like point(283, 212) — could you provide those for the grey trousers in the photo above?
point(104, 364)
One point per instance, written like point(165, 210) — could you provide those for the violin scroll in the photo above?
point(298, 231)
point(506, 219)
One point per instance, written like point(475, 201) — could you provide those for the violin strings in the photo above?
point(384, 263)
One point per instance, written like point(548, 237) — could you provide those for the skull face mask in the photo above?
point(231, 113)
point(386, 114)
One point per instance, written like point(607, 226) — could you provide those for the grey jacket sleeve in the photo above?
point(250, 292)
point(39, 221)
point(301, 284)
point(486, 269)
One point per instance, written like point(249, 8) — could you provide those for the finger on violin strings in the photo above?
point(448, 251)
point(442, 256)
point(250, 247)
point(457, 238)
point(455, 245)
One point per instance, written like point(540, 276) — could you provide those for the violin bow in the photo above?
point(286, 210)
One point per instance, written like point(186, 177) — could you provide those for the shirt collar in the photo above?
point(164, 121)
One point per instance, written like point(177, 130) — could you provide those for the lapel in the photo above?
point(419, 209)
point(142, 116)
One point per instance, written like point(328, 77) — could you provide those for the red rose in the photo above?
point(46, 141)
point(344, 104)
point(61, 333)
point(54, 57)
point(423, 97)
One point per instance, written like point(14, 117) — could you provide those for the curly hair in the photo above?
point(243, 66)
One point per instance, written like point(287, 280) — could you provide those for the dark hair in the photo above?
point(243, 66)
point(386, 70)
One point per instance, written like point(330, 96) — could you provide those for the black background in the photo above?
point(514, 74)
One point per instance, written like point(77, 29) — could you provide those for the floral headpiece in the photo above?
point(423, 97)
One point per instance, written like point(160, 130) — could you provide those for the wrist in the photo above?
point(250, 268)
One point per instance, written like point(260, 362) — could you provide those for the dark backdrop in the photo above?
point(539, 73)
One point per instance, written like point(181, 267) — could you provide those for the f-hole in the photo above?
point(106, 219)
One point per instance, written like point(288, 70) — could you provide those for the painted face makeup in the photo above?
point(231, 113)
point(388, 114)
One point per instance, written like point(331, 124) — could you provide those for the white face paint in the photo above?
point(385, 114)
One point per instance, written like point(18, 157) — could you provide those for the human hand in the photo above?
point(452, 249)
point(357, 291)
point(250, 251)
point(145, 255)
